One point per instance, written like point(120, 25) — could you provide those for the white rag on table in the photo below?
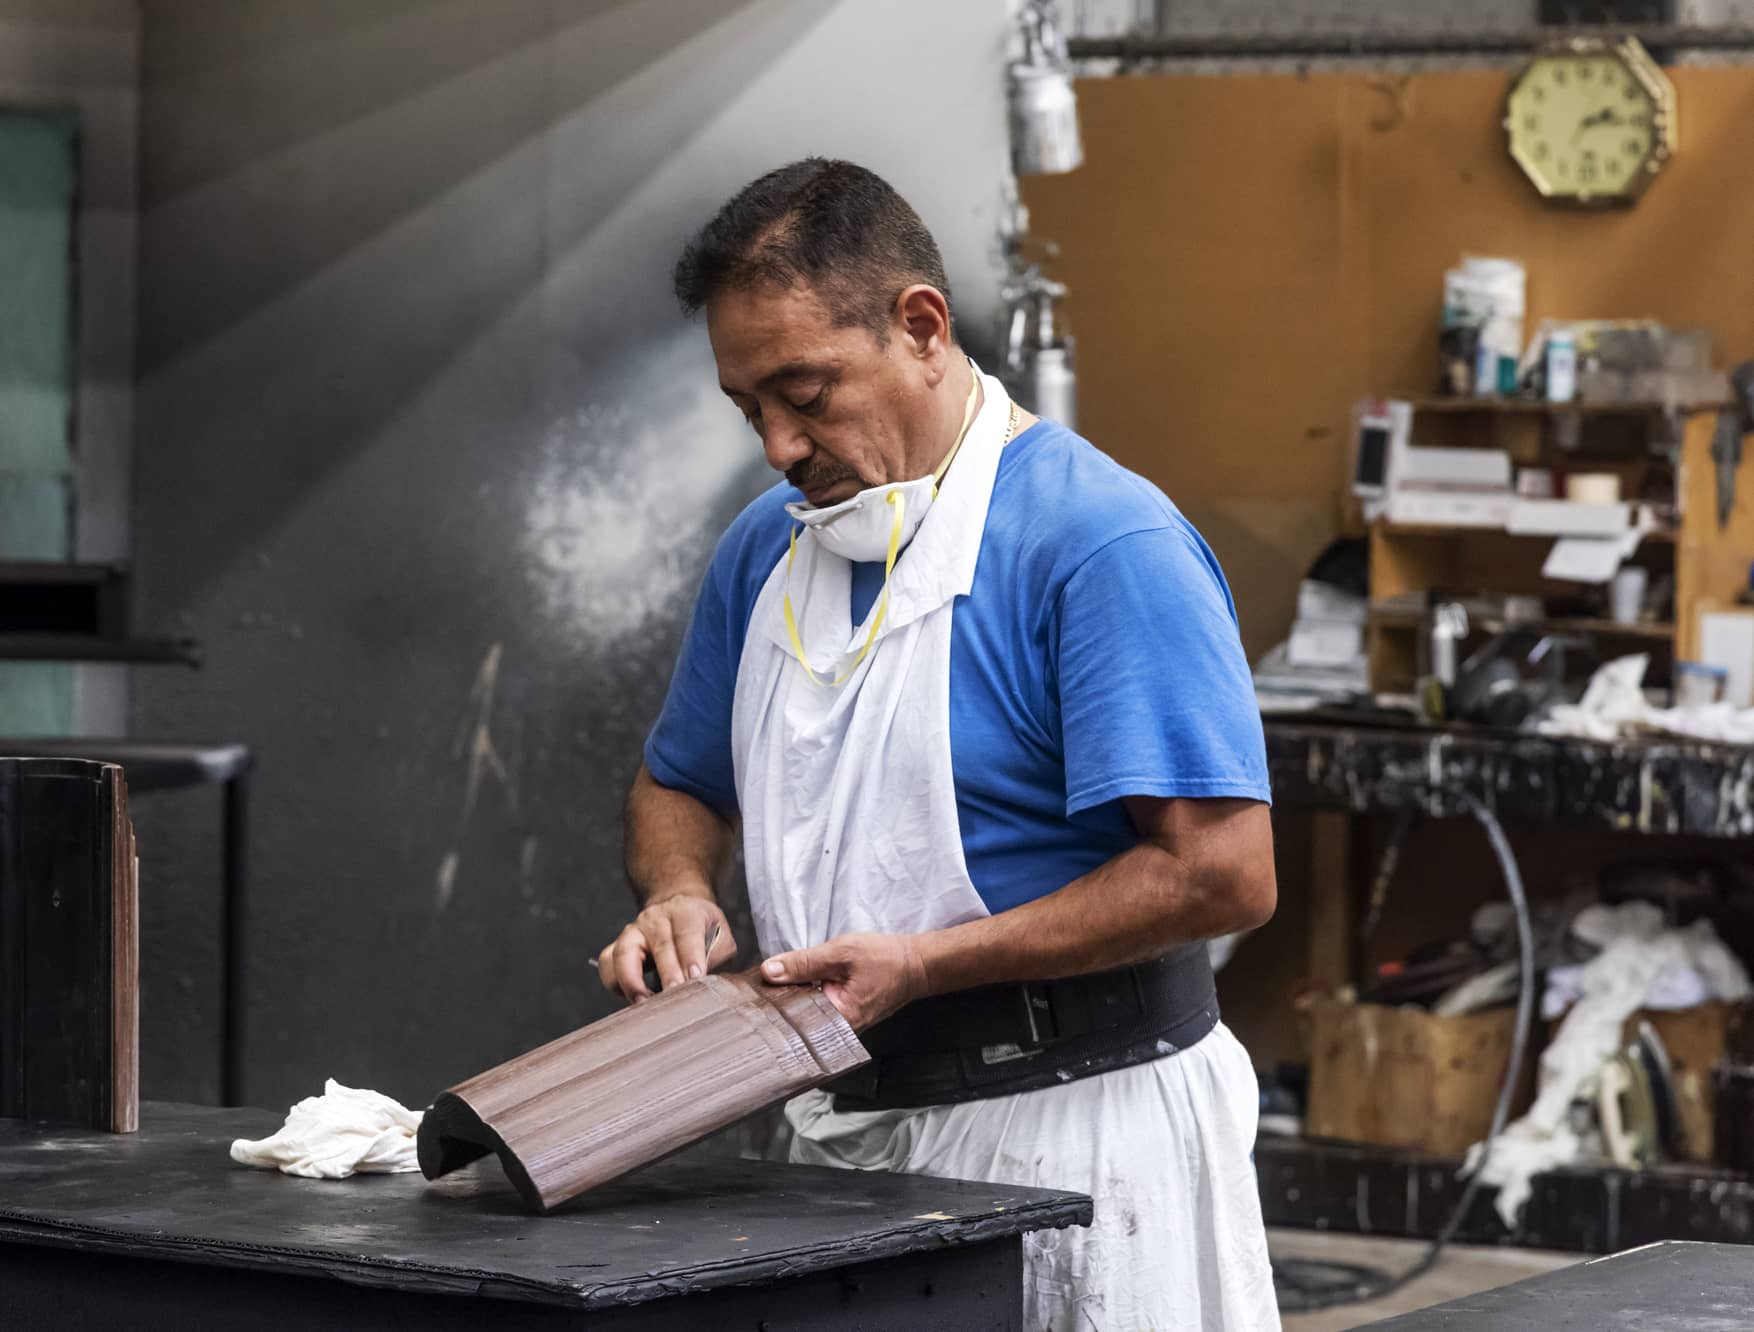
point(343, 1131)
point(1613, 707)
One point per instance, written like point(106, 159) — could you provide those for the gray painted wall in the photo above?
point(431, 464)
point(84, 56)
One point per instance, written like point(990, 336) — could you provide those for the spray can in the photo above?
point(1561, 365)
point(1044, 108)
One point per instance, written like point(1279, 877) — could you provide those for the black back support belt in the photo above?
point(1003, 1039)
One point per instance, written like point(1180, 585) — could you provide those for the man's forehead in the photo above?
point(768, 335)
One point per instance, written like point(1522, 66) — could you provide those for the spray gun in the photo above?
point(1037, 366)
point(1038, 353)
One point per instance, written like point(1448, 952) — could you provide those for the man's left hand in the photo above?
point(866, 976)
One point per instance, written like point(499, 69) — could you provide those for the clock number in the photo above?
point(1541, 150)
point(1531, 122)
point(1537, 93)
point(1634, 148)
point(1586, 172)
point(1560, 77)
point(1585, 73)
point(1631, 90)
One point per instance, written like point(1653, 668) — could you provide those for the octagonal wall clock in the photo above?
point(1591, 121)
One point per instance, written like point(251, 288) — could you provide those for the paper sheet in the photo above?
point(1589, 559)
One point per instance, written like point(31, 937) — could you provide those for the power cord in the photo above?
point(1305, 1284)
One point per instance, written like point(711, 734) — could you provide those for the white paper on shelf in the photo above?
point(1563, 517)
point(1583, 559)
point(1726, 638)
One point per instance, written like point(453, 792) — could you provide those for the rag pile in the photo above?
point(344, 1131)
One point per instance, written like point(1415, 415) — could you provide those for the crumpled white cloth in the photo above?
point(343, 1131)
point(1640, 962)
point(1614, 706)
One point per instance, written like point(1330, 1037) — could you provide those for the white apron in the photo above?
point(849, 823)
point(849, 810)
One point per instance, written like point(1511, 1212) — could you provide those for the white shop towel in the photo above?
point(331, 1136)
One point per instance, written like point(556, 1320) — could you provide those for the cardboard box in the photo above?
point(1399, 1077)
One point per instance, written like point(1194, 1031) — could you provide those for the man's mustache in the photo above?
point(819, 474)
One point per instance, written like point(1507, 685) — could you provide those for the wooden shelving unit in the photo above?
point(1709, 564)
point(1531, 407)
point(1395, 617)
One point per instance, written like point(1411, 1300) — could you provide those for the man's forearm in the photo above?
point(1138, 906)
point(676, 845)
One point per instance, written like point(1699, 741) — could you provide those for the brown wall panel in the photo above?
point(1249, 254)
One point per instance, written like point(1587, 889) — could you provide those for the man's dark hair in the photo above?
point(834, 226)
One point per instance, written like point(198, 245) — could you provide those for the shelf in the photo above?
point(1660, 537)
point(1390, 617)
point(82, 647)
point(1529, 407)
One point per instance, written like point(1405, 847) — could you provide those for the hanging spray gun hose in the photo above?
point(1305, 1284)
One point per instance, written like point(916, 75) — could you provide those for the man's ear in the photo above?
point(922, 322)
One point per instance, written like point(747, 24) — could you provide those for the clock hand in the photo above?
point(1606, 116)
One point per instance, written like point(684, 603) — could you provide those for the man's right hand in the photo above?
point(673, 933)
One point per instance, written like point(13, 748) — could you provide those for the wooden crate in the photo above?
point(1400, 1077)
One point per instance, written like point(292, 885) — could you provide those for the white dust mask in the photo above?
point(873, 525)
point(861, 528)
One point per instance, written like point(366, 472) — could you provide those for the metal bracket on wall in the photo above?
point(1376, 43)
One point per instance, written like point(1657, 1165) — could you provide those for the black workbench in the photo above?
point(1340, 766)
point(1652, 785)
point(1670, 1287)
point(159, 1229)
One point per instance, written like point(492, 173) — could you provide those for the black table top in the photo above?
point(1660, 1288)
point(688, 1224)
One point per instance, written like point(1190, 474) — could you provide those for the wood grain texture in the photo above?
point(636, 1086)
point(124, 960)
point(69, 945)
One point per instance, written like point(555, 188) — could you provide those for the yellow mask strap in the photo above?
point(898, 501)
point(974, 388)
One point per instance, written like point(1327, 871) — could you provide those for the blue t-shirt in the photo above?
point(1096, 657)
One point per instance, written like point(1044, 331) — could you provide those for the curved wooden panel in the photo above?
point(638, 1085)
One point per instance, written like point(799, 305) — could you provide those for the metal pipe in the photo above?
point(1440, 42)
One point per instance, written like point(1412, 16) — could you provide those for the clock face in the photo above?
point(1590, 125)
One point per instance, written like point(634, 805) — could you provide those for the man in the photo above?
point(975, 696)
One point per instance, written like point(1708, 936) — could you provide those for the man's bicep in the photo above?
point(1224, 848)
point(1211, 829)
point(1155, 694)
point(689, 749)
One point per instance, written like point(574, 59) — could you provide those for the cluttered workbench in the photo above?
point(1654, 785)
point(1342, 766)
point(158, 1229)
